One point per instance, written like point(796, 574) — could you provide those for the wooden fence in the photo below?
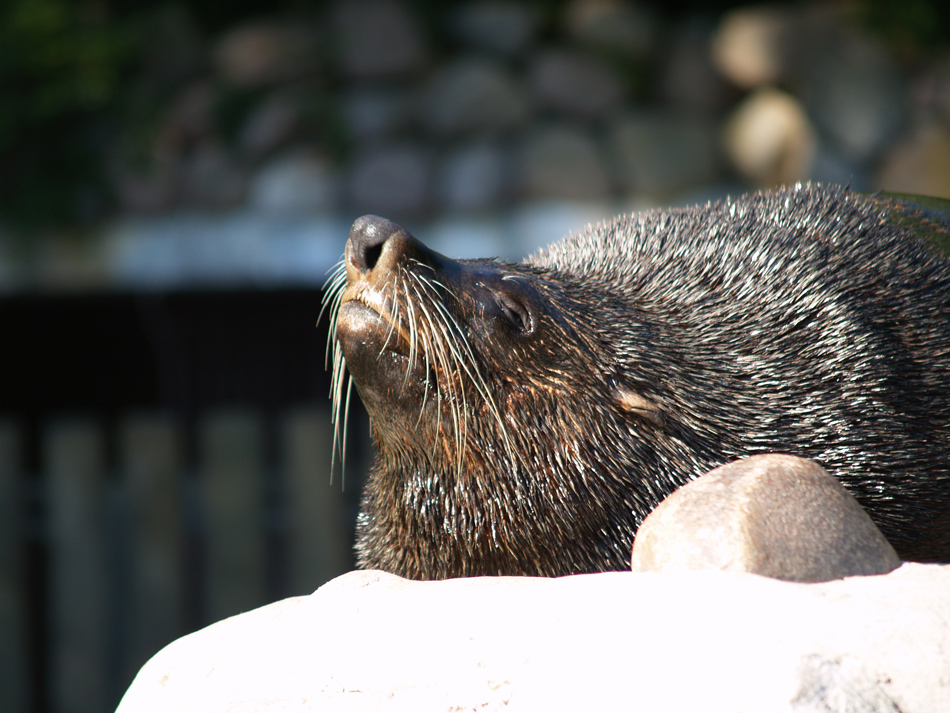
point(138, 530)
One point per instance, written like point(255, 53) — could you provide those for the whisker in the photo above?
point(393, 314)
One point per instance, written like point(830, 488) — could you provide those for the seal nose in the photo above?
point(379, 245)
point(367, 238)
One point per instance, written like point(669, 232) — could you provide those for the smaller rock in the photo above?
point(613, 26)
point(769, 139)
point(575, 83)
point(473, 95)
point(775, 515)
point(376, 39)
point(919, 164)
point(300, 181)
point(391, 180)
point(266, 53)
point(749, 47)
point(562, 162)
point(501, 28)
point(475, 177)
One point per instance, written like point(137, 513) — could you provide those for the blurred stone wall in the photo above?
point(487, 127)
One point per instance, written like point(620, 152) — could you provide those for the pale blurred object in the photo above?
point(748, 47)
point(769, 139)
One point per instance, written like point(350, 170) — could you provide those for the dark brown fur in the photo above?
point(529, 416)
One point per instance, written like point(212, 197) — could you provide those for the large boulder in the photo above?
point(687, 641)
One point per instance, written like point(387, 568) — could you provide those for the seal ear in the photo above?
point(632, 402)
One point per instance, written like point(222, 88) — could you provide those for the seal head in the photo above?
point(462, 367)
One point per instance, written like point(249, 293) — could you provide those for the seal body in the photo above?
point(527, 417)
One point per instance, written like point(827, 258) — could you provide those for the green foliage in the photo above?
point(61, 65)
point(910, 25)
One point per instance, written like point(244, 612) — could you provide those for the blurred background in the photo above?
point(176, 179)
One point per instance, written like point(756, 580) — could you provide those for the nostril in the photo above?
point(371, 255)
point(367, 237)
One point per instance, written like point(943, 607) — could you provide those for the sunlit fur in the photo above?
point(667, 343)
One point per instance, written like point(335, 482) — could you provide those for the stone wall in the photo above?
point(489, 128)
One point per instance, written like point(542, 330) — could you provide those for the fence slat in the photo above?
point(13, 615)
point(231, 456)
point(319, 548)
point(73, 453)
point(151, 461)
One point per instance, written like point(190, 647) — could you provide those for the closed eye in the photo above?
point(517, 315)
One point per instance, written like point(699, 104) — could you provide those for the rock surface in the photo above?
point(776, 515)
point(709, 641)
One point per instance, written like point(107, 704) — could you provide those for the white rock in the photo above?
point(716, 642)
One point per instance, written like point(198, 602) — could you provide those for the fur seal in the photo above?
point(527, 417)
